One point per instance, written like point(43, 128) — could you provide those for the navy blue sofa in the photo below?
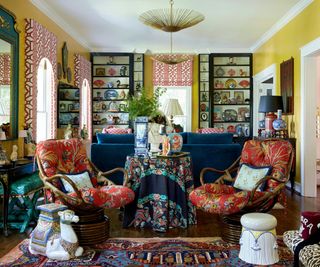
point(207, 150)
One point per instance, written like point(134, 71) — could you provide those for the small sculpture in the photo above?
point(66, 246)
point(14, 154)
point(84, 132)
point(68, 132)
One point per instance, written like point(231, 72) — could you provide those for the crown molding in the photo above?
point(44, 8)
point(291, 14)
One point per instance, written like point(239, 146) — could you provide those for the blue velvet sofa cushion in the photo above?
point(110, 156)
point(115, 138)
point(218, 156)
point(184, 137)
point(215, 138)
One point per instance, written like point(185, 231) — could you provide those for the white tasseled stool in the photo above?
point(258, 241)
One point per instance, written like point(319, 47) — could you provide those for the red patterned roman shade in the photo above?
point(173, 75)
point(5, 71)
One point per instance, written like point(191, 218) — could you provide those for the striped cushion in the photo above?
point(116, 130)
point(210, 130)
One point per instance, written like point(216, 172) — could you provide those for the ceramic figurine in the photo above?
point(84, 132)
point(68, 132)
point(66, 246)
point(14, 154)
point(279, 123)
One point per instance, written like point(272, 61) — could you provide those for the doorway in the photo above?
point(310, 81)
point(263, 85)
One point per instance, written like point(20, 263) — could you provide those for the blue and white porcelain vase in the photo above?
point(279, 123)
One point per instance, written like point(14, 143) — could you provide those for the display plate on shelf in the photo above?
point(230, 115)
point(204, 116)
point(216, 97)
point(113, 106)
point(231, 83)
point(203, 107)
point(111, 94)
point(99, 83)
point(124, 117)
point(244, 83)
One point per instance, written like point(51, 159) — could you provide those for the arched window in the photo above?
point(84, 103)
point(44, 101)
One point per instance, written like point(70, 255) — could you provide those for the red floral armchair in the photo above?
point(58, 159)
point(230, 202)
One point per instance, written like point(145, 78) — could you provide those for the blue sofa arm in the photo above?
point(110, 156)
point(219, 156)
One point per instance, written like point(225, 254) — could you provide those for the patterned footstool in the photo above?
point(258, 241)
point(292, 239)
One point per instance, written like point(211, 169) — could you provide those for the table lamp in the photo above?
point(172, 108)
point(268, 105)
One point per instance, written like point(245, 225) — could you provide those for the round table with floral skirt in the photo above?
point(162, 186)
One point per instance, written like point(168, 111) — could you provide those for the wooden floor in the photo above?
point(208, 224)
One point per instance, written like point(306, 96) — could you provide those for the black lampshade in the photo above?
point(270, 103)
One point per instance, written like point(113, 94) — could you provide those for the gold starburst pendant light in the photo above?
point(171, 20)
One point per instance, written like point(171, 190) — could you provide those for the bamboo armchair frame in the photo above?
point(79, 204)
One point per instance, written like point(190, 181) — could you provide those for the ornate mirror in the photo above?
point(9, 63)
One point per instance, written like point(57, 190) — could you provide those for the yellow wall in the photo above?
point(24, 9)
point(285, 44)
point(148, 84)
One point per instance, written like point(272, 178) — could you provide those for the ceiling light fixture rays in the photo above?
point(171, 20)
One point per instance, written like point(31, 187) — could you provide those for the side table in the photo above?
point(162, 186)
point(9, 175)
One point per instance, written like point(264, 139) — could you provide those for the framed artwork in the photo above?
point(100, 71)
point(239, 97)
point(225, 97)
point(217, 114)
point(141, 136)
point(65, 59)
point(286, 85)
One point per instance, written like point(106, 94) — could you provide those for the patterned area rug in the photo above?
point(147, 252)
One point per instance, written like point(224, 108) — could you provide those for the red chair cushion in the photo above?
point(219, 198)
point(112, 196)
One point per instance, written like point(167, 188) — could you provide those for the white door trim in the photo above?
point(309, 89)
point(267, 73)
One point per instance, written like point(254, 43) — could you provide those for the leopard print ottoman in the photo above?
point(310, 255)
point(292, 239)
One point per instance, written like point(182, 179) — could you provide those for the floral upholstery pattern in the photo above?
point(69, 157)
point(225, 199)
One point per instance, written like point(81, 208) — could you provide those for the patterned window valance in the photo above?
point(173, 75)
point(39, 43)
point(5, 71)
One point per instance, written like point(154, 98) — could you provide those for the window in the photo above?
point(44, 93)
point(84, 103)
point(183, 94)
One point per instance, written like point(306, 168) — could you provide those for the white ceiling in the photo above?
point(113, 25)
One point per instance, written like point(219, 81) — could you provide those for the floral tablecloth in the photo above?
point(162, 186)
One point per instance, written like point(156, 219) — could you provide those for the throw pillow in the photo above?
point(82, 180)
point(310, 222)
point(116, 130)
point(248, 176)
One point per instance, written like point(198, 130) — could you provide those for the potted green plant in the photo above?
point(141, 104)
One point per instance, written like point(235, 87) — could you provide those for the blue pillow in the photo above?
point(214, 138)
point(115, 138)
